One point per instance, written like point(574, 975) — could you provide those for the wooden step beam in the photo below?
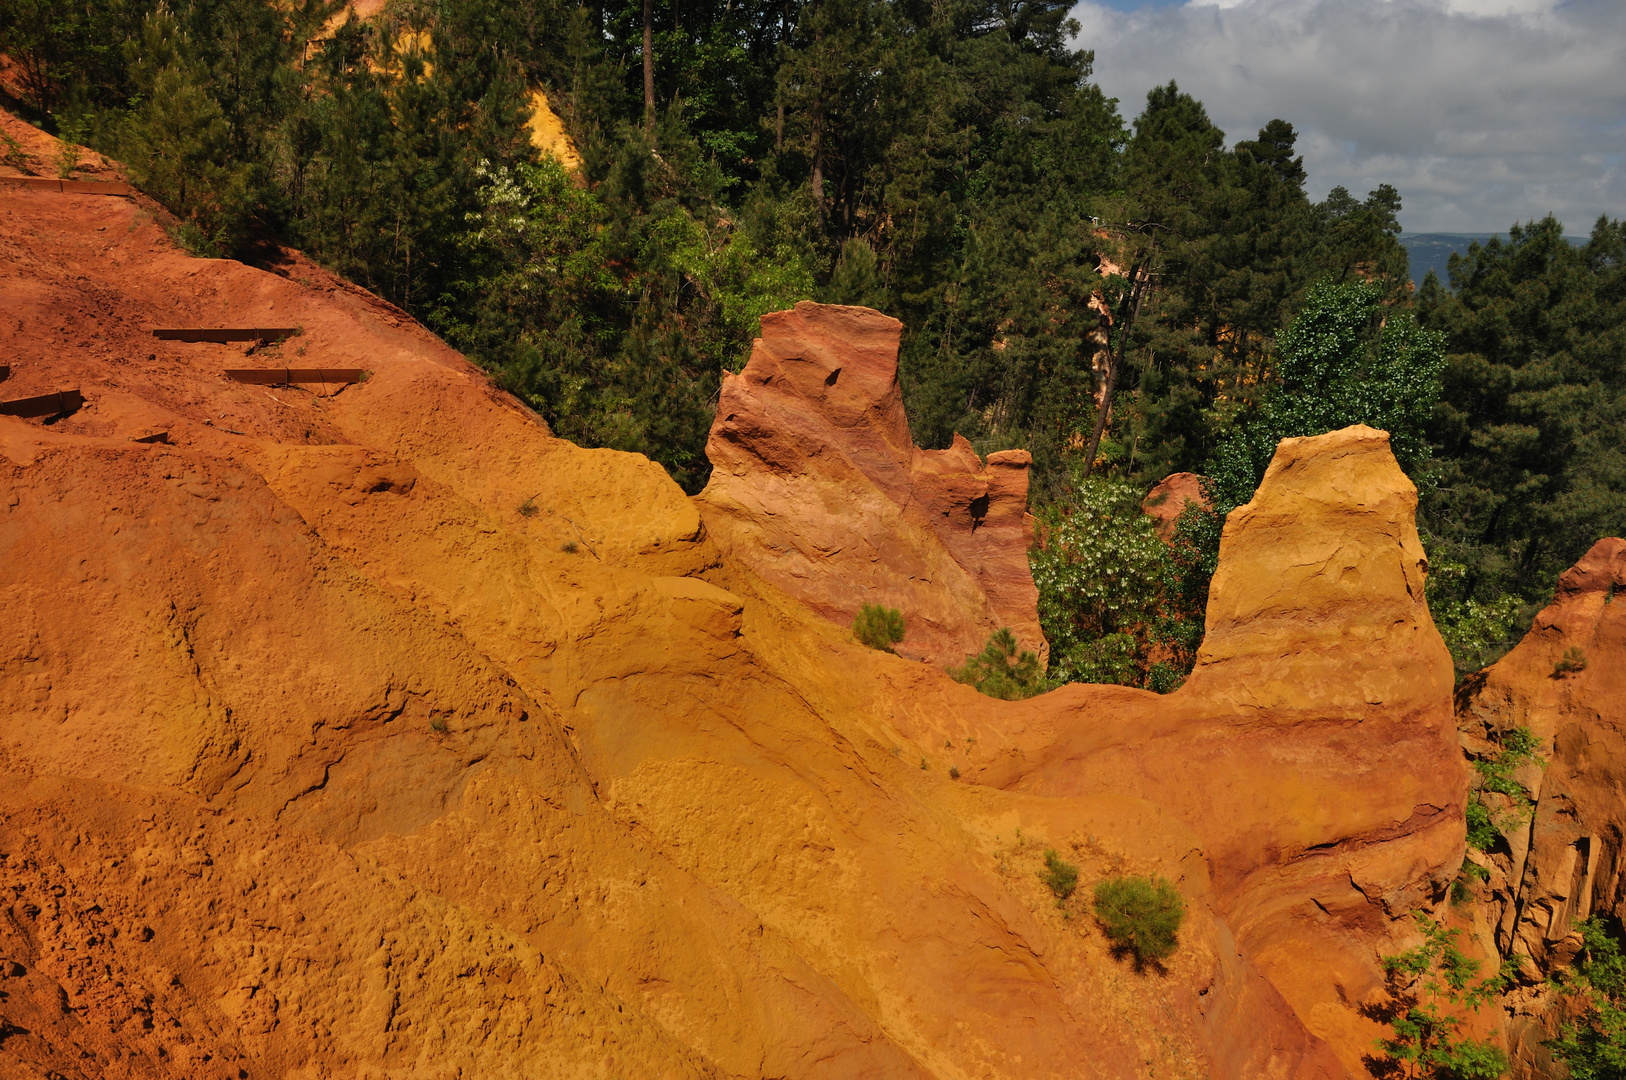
point(287, 376)
point(221, 335)
point(60, 403)
point(71, 187)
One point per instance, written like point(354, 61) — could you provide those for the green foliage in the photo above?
point(1461, 892)
point(1140, 915)
point(1482, 831)
point(1346, 358)
point(1430, 988)
point(1476, 632)
point(1059, 876)
point(15, 155)
point(177, 143)
point(1001, 671)
point(1594, 1046)
point(1238, 243)
point(1343, 360)
point(1495, 773)
point(1531, 472)
point(65, 56)
point(879, 628)
point(1109, 591)
point(1517, 747)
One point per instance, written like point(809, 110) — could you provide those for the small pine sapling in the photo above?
point(1140, 915)
point(1002, 670)
point(878, 627)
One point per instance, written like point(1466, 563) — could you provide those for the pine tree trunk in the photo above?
point(649, 74)
point(818, 159)
point(818, 127)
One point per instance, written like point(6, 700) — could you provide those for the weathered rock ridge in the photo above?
point(818, 489)
point(377, 733)
point(1563, 862)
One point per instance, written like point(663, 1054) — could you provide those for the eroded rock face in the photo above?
point(1563, 862)
point(818, 489)
point(379, 733)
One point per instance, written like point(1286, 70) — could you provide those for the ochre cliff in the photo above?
point(374, 732)
point(818, 489)
point(1562, 862)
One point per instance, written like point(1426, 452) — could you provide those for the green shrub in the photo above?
point(1477, 633)
point(1061, 876)
point(1515, 748)
point(1111, 599)
point(1496, 773)
point(1481, 829)
point(1595, 1047)
point(1001, 671)
point(1140, 915)
point(1462, 887)
point(878, 627)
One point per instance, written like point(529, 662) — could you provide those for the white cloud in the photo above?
point(1481, 112)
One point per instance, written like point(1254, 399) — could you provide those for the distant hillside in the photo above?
point(1431, 251)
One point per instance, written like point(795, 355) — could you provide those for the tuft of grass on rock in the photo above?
point(1572, 662)
point(1061, 876)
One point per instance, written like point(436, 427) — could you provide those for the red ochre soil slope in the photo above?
point(818, 489)
point(374, 732)
point(1563, 862)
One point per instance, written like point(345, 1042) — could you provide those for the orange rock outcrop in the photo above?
point(1169, 498)
point(1312, 751)
point(818, 489)
point(1562, 862)
point(376, 732)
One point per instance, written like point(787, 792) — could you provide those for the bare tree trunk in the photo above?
point(1131, 308)
point(817, 125)
point(649, 74)
point(818, 159)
